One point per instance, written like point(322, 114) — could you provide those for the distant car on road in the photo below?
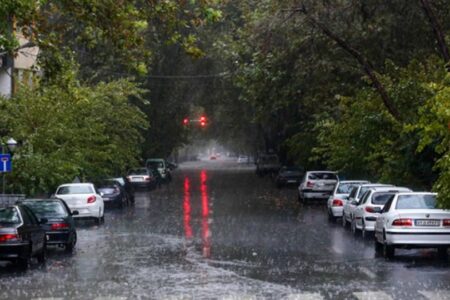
point(338, 198)
point(162, 166)
point(243, 159)
point(353, 200)
point(142, 178)
point(317, 185)
point(113, 194)
point(412, 220)
point(289, 176)
point(60, 226)
point(21, 236)
point(213, 157)
point(84, 198)
point(127, 186)
point(370, 206)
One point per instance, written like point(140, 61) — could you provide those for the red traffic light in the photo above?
point(203, 121)
point(185, 121)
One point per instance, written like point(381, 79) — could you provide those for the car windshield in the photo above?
point(381, 198)
point(138, 172)
point(45, 209)
point(74, 189)
point(346, 187)
point(416, 202)
point(155, 164)
point(9, 215)
point(322, 176)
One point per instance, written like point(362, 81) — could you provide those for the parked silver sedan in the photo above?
point(412, 220)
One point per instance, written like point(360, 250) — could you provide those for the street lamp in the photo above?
point(11, 146)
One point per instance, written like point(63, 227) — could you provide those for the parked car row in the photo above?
point(395, 216)
point(29, 226)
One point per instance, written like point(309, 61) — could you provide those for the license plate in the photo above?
point(138, 179)
point(106, 199)
point(427, 222)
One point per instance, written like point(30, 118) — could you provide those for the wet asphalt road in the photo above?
point(219, 232)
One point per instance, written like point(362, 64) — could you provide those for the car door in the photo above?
point(358, 212)
point(33, 229)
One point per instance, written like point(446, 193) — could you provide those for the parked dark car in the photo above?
point(289, 176)
point(142, 178)
point(113, 193)
point(127, 186)
point(21, 236)
point(59, 226)
point(158, 178)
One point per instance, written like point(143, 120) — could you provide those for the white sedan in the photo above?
point(353, 200)
point(84, 198)
point(335, 203)
point(372, 202)
point(412, 220)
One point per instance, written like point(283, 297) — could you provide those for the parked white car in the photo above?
point(412, 220)
point(84, 198)
point(338, 198)
point(372, 202)
point(353, 200)
point(317, 185)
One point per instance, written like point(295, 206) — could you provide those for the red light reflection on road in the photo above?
point(187, 209)
point(206, 234)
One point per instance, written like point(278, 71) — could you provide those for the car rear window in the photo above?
point(45, 209)
point(138, 172)
point(346, 188)
point(155, 164)
point(322, 176)
point(9, 215)
point(381, 198)
point(416, 202)
point(74, 189)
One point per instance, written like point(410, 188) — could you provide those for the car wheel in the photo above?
point(378, 247)
point(344, 221)
point(71, 245)
point(442, 252)
point(23, 263)
point(363, 230)
point(388, 251)
point(42, 256)
point(353, 225)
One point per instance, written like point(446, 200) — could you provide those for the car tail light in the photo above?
point(129, 178)
point(8, 237)
point(58, 226)
point(446, 222)
point(91, 199)
point(402, 222)
point(370, 209)
point(309, 184)
point(338, 202)
point(146, 178)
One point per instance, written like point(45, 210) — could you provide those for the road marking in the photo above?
point(110, 298)
point(369, 273)
point(48, 298)
point(304, 296)
point(372, 296)
point(436, 295)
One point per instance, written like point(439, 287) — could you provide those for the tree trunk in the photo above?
point(437, 29)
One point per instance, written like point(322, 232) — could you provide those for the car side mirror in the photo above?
point(75, 213)
point(43, 221)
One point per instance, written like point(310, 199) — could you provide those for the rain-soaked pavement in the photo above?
point(219, 232)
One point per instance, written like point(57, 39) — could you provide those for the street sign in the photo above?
point(5, 163)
